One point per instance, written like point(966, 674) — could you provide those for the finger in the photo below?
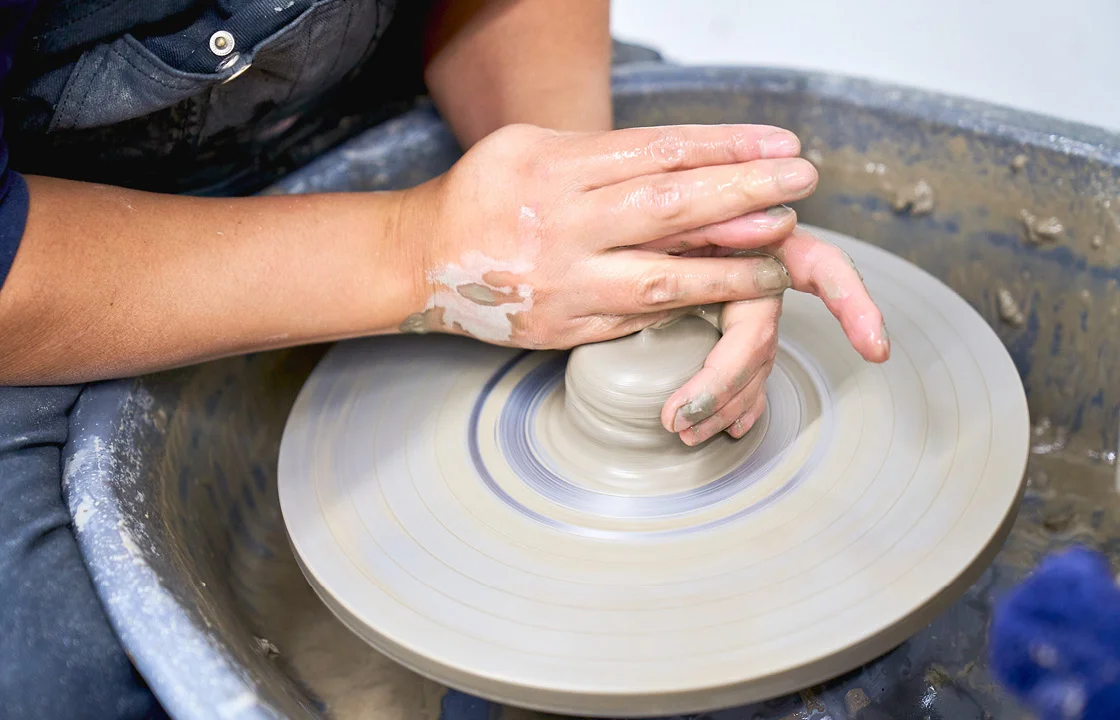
point(648, 208)
point(752, 230)
point(606, 158)
point(749, 343)
point(634, 282)
point(821, 268)
point(740, 404)
point(606, 326)
point(746, 421)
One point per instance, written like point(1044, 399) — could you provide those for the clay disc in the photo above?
point(431, 513)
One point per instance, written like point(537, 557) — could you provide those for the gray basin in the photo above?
point(171, 477)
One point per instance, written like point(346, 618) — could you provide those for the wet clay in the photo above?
point(604, 426)
point(615, 390)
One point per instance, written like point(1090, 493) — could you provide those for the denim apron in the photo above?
point(221, 98)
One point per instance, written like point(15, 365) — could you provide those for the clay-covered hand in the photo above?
point(729, 392)
point(543, 239)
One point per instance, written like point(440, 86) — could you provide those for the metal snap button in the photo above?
point(221, 43)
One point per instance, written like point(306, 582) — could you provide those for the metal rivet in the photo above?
point(221, 43)
point(229, 62)
point(237, 74)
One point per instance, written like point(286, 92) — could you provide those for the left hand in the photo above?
point(729, 392)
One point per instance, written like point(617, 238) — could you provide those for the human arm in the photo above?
point(110, 282)
point(491, 63)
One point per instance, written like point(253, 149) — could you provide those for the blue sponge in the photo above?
point(1055, 639)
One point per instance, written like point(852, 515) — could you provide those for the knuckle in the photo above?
point(668, 150)
point(848, 260)
point(836, 256)
point(657, 289)
point(741, 146)
point(518, 134)
point(766, 338)
point(759, 181)
point(663, 199)
point(520, 146)
point(536, 338)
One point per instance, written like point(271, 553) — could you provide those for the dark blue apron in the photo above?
point(205, 98)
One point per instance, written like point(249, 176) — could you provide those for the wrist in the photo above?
point(414, 232)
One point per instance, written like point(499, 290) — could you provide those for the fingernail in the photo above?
point(796, 176)
point(773, 218)
point(885, 337)
point(771, 277)
point(694, 411)
point(779, 144)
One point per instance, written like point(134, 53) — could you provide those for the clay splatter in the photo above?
point(485, 295)
point(856, 700)
point(489, 322)
point(1008, 308)
point(696, 410)
point(1041, 230)
point(916, 200)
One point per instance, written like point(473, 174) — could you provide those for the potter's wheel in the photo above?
point(438, 516)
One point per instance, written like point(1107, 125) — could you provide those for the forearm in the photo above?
point(498, 62)
point(110, 282)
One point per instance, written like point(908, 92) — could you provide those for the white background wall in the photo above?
point(1056, 58)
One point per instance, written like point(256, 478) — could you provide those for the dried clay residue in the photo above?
point(856, 700)
point(1041, 230)
point(916, 200)
point(471, 297)
point(1008, 308)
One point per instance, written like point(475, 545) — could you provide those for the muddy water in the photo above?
point(1071, 499)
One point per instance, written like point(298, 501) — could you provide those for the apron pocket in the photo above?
point(123, 80)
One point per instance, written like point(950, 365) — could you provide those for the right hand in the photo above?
point(548, 240)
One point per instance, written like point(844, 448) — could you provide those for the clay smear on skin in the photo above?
point(468, 295)
point(481, 309)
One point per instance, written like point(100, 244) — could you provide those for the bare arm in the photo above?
point(498, 62)
point(110, 282)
